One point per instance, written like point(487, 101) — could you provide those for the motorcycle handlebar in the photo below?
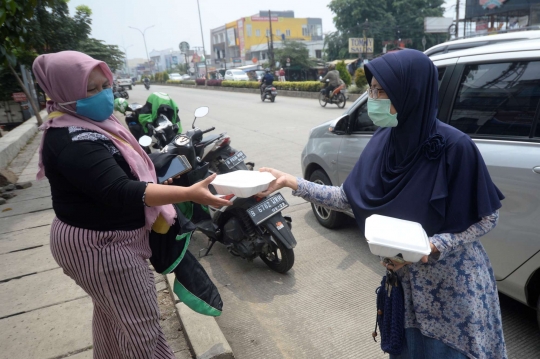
point(208, 130)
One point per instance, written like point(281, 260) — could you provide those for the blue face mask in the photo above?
point(379, 112)
point(98, 107)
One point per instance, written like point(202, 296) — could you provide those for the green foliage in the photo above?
point(336, 46)
point(360, 78)
point(309, 86)
point(297, 52)
point(343, 73)
point(181, 82)
point(240, 84)
point(381, 20)
point(111, 54)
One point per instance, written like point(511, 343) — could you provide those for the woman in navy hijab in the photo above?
point(419, 169)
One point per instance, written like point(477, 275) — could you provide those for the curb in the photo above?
point(202, 332)
point(286, 93)
point(16, 139)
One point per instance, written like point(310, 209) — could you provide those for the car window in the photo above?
point(238, 72)
point(497, 99)
point(361, 121)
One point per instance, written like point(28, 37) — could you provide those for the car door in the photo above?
point(497, 103)
point(228, 76)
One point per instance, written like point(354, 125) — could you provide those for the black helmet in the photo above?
point(267, 69)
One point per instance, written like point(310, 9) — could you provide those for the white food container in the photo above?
point(388, 236)
point(242, 183)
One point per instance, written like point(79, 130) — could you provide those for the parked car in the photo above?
point(236, 75)
point(492, 93)
point(125, 83)
point(175, 76)
point(185, 77)
point(462, 44)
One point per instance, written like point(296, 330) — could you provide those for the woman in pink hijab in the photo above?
point(106, 200)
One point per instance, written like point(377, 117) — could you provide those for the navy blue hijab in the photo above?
point(422, 170)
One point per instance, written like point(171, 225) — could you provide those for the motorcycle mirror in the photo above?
point(201, 111)
point(145, 141)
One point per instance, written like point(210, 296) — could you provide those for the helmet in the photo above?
point(331, 67)
point(267, 69)
point(120, 105)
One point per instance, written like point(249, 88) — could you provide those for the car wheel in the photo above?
point(326, 217)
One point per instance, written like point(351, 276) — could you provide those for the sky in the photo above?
point(178, 20)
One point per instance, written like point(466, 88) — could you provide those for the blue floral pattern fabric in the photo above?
point(452, 298)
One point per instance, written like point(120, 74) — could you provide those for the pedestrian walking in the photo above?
point(281, 75)
point(420, 169)
point(106, 199)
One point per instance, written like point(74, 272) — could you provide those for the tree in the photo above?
point(18, 37)
point(343, 73)
point(297, 52)
point(110, 54)
point(386, 20)
point(335, 46)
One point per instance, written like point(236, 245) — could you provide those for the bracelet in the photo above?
point(144, 196)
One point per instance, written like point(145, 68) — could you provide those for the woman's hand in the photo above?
point(394, 266)
point(282, 180)
point(434, 250)
point(199, 193)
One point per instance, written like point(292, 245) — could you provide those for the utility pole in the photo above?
point(271, 49)
point(457, 18)
point(204, 50)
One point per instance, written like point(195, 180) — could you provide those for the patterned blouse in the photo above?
point(452, 298)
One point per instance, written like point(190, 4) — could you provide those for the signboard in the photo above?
point(357, 45)
point(184, 47)
point(231, 37)
point(480, 8)
point(237, 60)
point(19, 97)
point(264, 18)
point(437, 25)
point(241, 38)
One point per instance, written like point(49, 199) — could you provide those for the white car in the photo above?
point(175, 76)
point(185, 77)
point(236, 75)
point(125, 83)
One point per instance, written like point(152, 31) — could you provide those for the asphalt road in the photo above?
point(325, 306)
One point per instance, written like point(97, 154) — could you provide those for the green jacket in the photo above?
point(157, 103)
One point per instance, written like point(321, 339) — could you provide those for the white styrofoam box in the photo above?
point(388, 236)
point(242, 184)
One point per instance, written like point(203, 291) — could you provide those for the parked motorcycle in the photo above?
point(120, 92)
point(250, 227)
point(270, 92)
point(338, 96)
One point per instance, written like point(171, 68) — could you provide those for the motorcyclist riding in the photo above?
point(334, 80)
point(267, 79)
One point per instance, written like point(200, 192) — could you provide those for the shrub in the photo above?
point(214, 82)
point(343, 73)
point(240, 84)
point(200, 82)
point(360, 78)
point(165, 76)
point(181, 82)
point(308, 86)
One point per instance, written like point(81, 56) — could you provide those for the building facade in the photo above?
point(246, 41)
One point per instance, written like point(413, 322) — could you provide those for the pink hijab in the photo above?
point(64, 77)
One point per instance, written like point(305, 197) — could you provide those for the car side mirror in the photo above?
point(341, 126)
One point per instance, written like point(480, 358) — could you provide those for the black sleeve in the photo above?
point(90, 167)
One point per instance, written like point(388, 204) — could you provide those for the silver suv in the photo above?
point(491, 93)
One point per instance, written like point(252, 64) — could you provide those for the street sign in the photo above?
point(184, 47)
point(19, 97)
point(358, 46)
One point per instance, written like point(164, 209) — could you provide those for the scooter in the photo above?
point(338, 96)
point(120, 92)
point(270, 92)
point(147, 85)
point(250, 227)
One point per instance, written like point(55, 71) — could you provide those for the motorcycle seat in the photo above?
point(208, 139)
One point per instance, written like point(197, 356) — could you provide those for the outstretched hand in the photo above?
point(282, 180)
point(199, 193)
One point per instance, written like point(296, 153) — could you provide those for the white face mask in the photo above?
point(379, 112)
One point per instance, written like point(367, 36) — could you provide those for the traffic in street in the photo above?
point(325, 305)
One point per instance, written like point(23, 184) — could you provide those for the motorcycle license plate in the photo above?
point(233, 161)
point(267, 208)
point(274, 92)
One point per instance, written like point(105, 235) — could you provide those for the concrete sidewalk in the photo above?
point(44, 314)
